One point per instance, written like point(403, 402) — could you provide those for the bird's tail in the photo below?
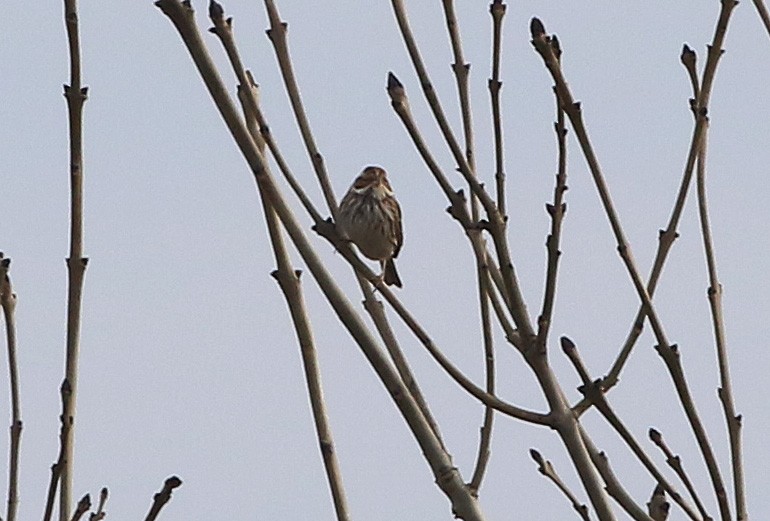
point(391, 277)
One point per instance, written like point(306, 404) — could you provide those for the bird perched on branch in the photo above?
point(371, 217)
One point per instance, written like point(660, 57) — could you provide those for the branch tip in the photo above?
point(393, 82)
point(536, 28)
point(567, 345)
point(535, 455)
point(216, 11)
point(497, 8)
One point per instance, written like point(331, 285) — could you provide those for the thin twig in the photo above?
point(100, 513)
point(288, 279)
point(667, 351)
point(675, 463)
point(496, 222)
point(376, 311)
point(546, 469)
point(277, 36)
point(591, 389)
point(160, 499)
point(725, 391)
point(52, 487)
point(461, 70)
point(557, 210)
point(497, 10)
point(485, 439)
point(8, 303)
point(667, 237)
point(84, 505)
point(448, 478)
point(613, 486)
point(75, 95)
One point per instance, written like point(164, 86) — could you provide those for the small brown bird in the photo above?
point(371, 218)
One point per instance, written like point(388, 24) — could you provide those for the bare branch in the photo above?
point(8, 303)
point(546, 469)
point(160, 499)
point(725, 391)
point(614, 487)
point(592, 390)
point(496, 223)
point(100, 513)
point(461, 70)
point(557, 210)
point(288, 279)
point(458, 209)
point(52, 487)
point(541, 42)
point(84, 505)
point(447, 476)
point(277, 36)
point(669, 235)
point(675, 463)
point(75, 95)
point(489, 370)
point(497, 10)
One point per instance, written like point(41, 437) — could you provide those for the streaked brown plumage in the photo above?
point(371, 217)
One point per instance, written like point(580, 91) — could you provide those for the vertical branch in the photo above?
point(288, 279)
point(75, 95)
point(556, 211)
point(489, 369)
point(8, 303)
point(461, 71)
point(715, 301)
point(497, 10)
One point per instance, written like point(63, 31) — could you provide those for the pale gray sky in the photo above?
point(189, 364)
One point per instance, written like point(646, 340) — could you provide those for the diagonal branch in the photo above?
point(496, 221)
point(546, 469)
point(591, 389)
point(160, 499)
point(448, 478)
point(613, 485)
point(700, 102)
point(287, 278)
point(669, 353)
point(675, 463)
point(277, 36)
point(461, 70)
point(763, 14)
